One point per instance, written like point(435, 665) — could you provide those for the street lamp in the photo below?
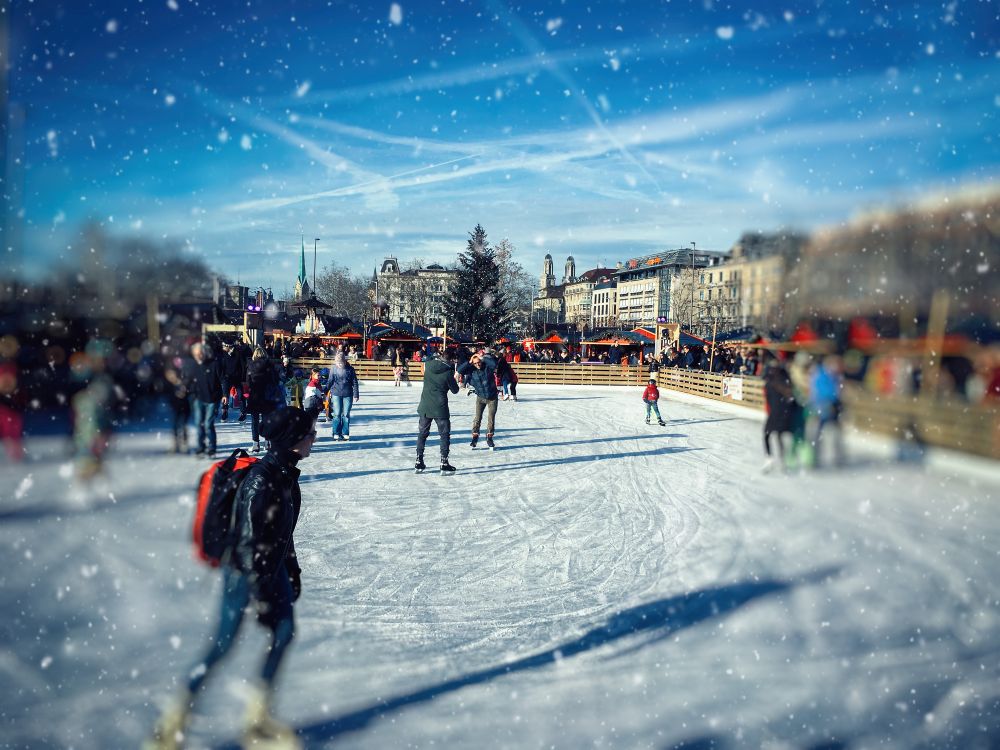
point(315, 244)
point(691, 311)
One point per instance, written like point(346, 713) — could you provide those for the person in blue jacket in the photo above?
point(344, 393)
point(480, 373)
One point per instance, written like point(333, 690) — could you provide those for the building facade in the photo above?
point(549, 306)
point(604, 303)
point(413, 296)
point(578, 296)
point(649, 288)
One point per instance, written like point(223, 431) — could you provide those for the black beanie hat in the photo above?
point(286, 426)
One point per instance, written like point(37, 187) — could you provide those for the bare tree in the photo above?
point(348, 294)
point(517, 284)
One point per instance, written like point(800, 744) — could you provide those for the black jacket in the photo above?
point(232, 368)
point(262, 378)
point(267, 509)
point(203, 381)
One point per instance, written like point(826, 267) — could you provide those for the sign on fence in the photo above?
point(732, 388)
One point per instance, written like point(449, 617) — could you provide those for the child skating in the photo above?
point(650, 396)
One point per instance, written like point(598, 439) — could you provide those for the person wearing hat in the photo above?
point(261, 570)
point(650, 396)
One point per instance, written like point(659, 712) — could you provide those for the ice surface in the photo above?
point(595, 582)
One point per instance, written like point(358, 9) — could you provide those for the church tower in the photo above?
point(548, 277)
point(302, 284)
point(570, 275)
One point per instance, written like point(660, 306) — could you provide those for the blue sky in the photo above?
point(605, 130)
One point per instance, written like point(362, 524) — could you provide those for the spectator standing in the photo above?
point(344, 393)
point(203, 380)
point(264, 392)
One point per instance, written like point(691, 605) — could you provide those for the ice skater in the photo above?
point(439, 378)
point(260, 570)
point(782, 411)
point(480, 373)
point(650, 397)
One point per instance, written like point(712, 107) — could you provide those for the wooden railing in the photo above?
point(741, 390)
point(958, 426)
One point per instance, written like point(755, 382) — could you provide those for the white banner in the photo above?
point(732, 388)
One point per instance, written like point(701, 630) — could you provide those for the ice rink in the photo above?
point(593, 583)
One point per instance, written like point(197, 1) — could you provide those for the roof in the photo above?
point(313, 303)
point(594, 274)
point(612, 338)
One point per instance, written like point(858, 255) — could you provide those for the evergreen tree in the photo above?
point(477, 302)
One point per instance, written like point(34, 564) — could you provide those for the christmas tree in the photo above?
point(477, 304)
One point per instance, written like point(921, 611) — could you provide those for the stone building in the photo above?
point(578, 296)
point(549, 307)
point(604, 303)
point(415, 295)
point(647, 287)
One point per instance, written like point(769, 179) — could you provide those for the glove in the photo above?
point(295, 577)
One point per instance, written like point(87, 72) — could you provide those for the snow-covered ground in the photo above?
point(595, 582)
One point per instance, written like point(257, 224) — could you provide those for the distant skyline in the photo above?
point(603, 130)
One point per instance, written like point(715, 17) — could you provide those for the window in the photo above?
point(701, 295)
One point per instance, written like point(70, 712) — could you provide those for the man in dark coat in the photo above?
point(204, 382)
point(261, 570)
point(231, 369)
point(781, 410)
point(480, 373)
point(439, 378)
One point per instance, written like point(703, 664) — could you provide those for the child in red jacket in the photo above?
point(649, 397)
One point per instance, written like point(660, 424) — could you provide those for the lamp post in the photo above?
point(691, 311)
point(315, 245)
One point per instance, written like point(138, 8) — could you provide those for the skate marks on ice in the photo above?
point(650, 622)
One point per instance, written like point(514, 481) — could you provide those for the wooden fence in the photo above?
point(958, 426)
point(740, 390)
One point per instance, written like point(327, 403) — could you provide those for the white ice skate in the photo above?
point(263, 731)
point(168, 734)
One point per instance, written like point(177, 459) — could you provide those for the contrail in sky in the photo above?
point(347, 189)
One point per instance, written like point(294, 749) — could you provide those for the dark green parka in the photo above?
point(439, 378)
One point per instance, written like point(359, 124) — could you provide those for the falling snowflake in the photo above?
point(553, 24)
point(246, 143)
point(111, 26)
point(303, 89)
point(395, 14)
point(24, 487)
point(725, 32)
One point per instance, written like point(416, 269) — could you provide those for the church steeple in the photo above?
point(302, 283)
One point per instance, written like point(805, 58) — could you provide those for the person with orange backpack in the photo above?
point(259, 568)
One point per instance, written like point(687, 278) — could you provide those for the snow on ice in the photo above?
point(594, 582)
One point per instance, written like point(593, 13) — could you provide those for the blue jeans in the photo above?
point(236, 595)
point(653, 406)
point(341, 408)
point(204, 413)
